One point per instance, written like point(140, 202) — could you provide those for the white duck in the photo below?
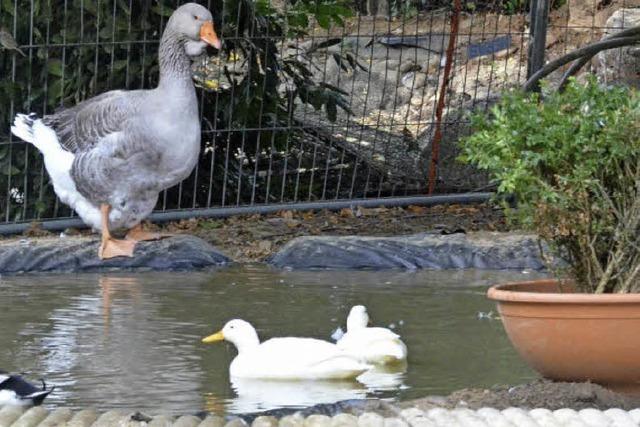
point(372, 345)
point(286, 358)
point(110, 156)
point(15, 391)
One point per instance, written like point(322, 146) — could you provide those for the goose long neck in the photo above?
point(175, 65)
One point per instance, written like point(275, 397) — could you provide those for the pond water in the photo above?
point(133, 340)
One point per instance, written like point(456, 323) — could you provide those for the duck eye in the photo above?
point(196, 17)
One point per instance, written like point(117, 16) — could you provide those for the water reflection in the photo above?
point(385, 378)
point(112, 285)
point(118, 345)
point(258, 395)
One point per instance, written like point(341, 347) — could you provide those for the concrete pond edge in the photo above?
point(389, 416)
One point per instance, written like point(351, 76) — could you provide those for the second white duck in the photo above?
point(286, 358)
point(379, 346)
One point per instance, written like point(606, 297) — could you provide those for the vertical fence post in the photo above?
point(539, 15)
point(437, 135)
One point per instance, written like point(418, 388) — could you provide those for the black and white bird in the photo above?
point(15, 390)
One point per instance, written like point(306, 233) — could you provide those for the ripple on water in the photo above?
point(133, 340)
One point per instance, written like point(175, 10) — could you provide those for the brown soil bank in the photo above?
point(254, 238)
point(537, 394)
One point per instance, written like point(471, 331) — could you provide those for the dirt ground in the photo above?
point(537, 394)
point(254, 238)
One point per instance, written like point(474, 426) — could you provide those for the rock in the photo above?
point(265, 421)
point(182, 252)
point(56, 418)
point(382, 70)
point(236, 422)
point(109, 418)
point(395, 422)
point(408, 66)
point(212, 421)
point(435, 251)
point(370, 419)
point(414, 80)
point(393, 64)
point(416, 418)
point(344, 420)
point(31, 417)
point(9, 414)
point(442, 417)
point(161, 421)
point(620, 65)
point(84, 418)
point(295, 420)
point(187, 421)
point(317, 420)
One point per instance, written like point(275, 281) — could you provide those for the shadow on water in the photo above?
point(133, 341)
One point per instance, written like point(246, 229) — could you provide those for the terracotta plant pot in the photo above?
point(572, 336)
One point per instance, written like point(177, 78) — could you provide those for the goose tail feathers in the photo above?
point(23, 127)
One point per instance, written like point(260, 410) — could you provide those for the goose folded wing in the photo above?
point(82, 127)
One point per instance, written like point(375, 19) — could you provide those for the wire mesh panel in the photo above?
point(308, 101)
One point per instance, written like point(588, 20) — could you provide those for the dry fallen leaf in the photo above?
point(346, 213)
point(417, 210)
point(286, 214)
point(292, 223)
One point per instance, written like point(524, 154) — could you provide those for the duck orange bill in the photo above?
point(208, 35)
point(218, 336)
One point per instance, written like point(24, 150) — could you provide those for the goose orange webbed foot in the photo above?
point(111, 248)
point(138, 234)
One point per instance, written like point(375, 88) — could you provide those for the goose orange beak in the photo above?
point(209, 36)
point(218, 336)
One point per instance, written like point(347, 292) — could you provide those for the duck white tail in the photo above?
point(383, 352)
point(58, 162)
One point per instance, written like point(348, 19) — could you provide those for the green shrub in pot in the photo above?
point(572, 161)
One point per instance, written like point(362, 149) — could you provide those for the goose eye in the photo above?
point(196, 17)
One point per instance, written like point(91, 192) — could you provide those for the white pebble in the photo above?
point(370, 419)
point(635, 414)
point(620, 418)
point(519, 417)
point(494, 418)
point(566, 416)
point(395, 422)
point(344, 420)
point(543, 417)
point(468, 418)
point(594, 418)
point(442, 417)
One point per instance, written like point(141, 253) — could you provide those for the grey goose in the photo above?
point(110, 156)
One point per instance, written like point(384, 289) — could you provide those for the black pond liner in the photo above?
point(494, 251)
point(65, 255)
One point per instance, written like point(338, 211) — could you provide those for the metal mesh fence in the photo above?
point(384, 65)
